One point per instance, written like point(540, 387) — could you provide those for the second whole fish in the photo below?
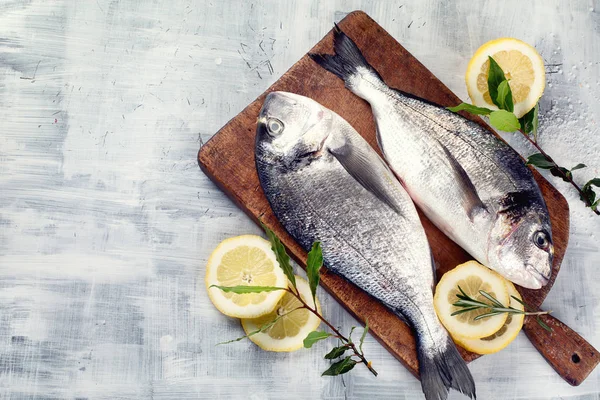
point(325, 183)
point(469, 183)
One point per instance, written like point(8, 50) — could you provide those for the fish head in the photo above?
point(521, 247)
point(292, 128)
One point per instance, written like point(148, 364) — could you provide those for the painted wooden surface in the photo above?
point(106, 221)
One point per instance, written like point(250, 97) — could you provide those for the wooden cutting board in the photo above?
point(228, 159)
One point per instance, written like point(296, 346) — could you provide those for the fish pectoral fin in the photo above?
point(471, 201)
point(476, 212)
point(368, 169)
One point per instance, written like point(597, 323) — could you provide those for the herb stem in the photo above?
point(347, 342)
point(537, 313)
point(562, 174)
point(496, 307)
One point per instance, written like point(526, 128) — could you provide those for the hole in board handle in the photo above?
point(575, 358)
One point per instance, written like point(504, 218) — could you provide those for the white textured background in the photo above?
point(106, 220)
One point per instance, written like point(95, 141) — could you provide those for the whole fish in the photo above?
point(470, 184)
point(325, 183)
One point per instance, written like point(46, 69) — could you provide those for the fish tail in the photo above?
point(443, 368)
point(347, 63)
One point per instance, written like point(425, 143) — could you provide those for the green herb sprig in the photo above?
point(505, 120)
point(343, 362)
point(495, 307)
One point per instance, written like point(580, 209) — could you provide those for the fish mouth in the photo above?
point(537, 275)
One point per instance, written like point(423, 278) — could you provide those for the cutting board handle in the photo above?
point(568, 353)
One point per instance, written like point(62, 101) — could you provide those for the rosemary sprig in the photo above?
point(495, 307)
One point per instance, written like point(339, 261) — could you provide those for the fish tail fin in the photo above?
point(348, 63)
point(443, 369)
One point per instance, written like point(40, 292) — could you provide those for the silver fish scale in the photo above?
point(325, 183)
point(416, 153)
point(363, 239)
point(494, 168)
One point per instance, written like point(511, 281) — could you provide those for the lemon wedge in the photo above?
point(471, 277)
point(289, 331)
point(504, 336)
point(523, 68)
point(245, 260)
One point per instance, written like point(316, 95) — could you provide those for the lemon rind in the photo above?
point(480, 347)
point(443, 307)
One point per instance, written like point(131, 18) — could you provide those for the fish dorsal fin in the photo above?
point(471, 201)
point(368, 169)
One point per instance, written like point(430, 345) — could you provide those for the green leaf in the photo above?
point(578, 166)
point(535, 121)
point(350, 334)
point(595, 205)
point(527, 121)
point(469, 302)
point(340, 367)
point(470, 108)
point(487, 315)
point(589, 194)
point(491, 298)
point(336, 352)
point(595, 182)
point(462, 292)
point(519, 300)
point(504, 121)
point(247, 289)
point(504, 99)
point(314, 337)
point(464, 310)
point(543, 324)
point(561, 172)
point(313, 268)
point(540, 161)
point(362, 337)
point(282, 257)
point(495, 77)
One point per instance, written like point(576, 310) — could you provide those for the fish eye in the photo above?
point(540, 239)
point(275, 126)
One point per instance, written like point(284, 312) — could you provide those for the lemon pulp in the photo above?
point(472, 278)
point(246, 266)
point(522, 65)
point(518, 70)
point(246, 260)
point(501, 338)
point(288, 331)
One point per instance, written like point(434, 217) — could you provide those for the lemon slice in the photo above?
point(288, 333)
point(245, 260)
point(471, 277)
point(502, 338)
point(522, 66)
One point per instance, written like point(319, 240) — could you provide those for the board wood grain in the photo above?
point(228, 159)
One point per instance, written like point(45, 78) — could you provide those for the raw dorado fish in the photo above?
point(470, 184)
point(325, 183)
